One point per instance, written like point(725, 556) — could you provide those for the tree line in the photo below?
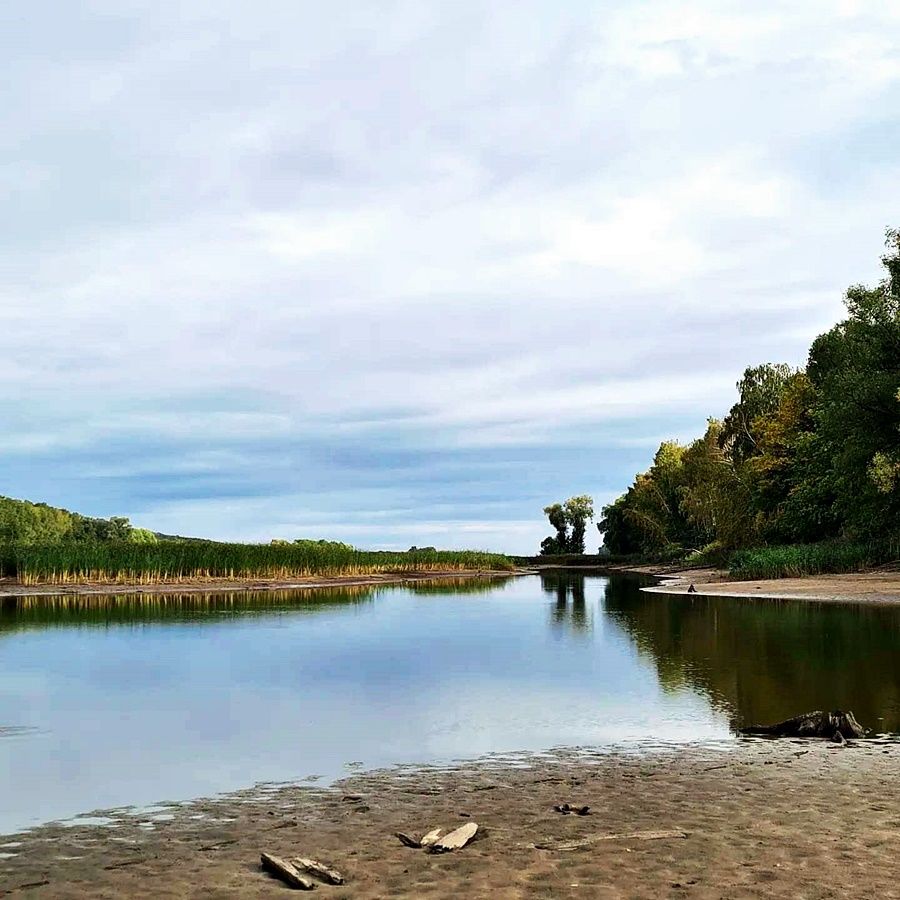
point(22, 522)
point(805, 455)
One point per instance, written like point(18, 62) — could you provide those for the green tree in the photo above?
point(802, 456)
point(578, 512)
point(620, 536)
point(558, 543)
point(855, 369)
point(569, 520)
point(716, 494)
point(760, 391)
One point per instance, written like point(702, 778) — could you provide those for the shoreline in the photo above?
point(11, 588)
point(730, 819)
point(879, 586)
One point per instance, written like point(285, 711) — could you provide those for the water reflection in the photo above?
point(570, 610)
point(97, 611)
point(102, 610)
point(765, 660)
point(106, 701)
point(129, 700)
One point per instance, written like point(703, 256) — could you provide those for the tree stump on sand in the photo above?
point(814, 724)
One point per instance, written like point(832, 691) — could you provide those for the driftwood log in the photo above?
point(814, 724)
point(408, 840)
point(320, 870)
point(286, 871)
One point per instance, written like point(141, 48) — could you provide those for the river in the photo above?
point(108, 702)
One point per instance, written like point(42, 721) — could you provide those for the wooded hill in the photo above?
point(23, 522)
point(805, 455)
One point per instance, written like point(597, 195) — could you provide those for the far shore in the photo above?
point(877, 586)
point(9, 587)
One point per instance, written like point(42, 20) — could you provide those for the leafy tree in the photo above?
point(802, 456)
point(716, 497)
point(855, 369)
point(760, 391)
point(553, 546)
point(792, 486)
point(620, 536)
point(34, 523)
point(578, 512)
point(30, 523)
point(574, 514)
point(550, 546)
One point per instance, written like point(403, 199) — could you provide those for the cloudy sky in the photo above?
point(404, 272)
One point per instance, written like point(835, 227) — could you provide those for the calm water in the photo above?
point(110, 702)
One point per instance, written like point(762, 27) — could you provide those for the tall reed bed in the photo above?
point(173, 561)
point(796, 560)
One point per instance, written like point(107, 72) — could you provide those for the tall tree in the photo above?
point(716, 496)
point(760, 391)
point(855, 369)
point(570, 520)
point(578, 511)
point(558, 543)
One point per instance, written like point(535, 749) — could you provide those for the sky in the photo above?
point(404, 273)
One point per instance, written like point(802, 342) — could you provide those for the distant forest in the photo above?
point(37, 523)
point(805, 455)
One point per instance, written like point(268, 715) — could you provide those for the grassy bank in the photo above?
point(786, 561)
point(120, 562)
point(797, 560)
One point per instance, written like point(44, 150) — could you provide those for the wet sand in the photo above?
point(758, 819)
point(880, 585)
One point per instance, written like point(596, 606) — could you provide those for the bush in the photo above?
point(797, 560)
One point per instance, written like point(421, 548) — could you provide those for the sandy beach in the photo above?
point(881, 585)
point(740, 819)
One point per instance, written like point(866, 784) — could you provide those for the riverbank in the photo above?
point(738, 819)
point(879, 586)
point(9, 587)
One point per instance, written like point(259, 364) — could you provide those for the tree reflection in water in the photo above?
point(764, 660)
point(570, 609)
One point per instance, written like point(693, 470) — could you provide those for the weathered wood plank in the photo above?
point(431, 838)
point(284, 870)
point(456, 839)
point(320, 870)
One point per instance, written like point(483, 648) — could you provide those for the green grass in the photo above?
point(120, 562)
point(796, 560)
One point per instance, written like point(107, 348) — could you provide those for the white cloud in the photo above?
point(280, 237)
